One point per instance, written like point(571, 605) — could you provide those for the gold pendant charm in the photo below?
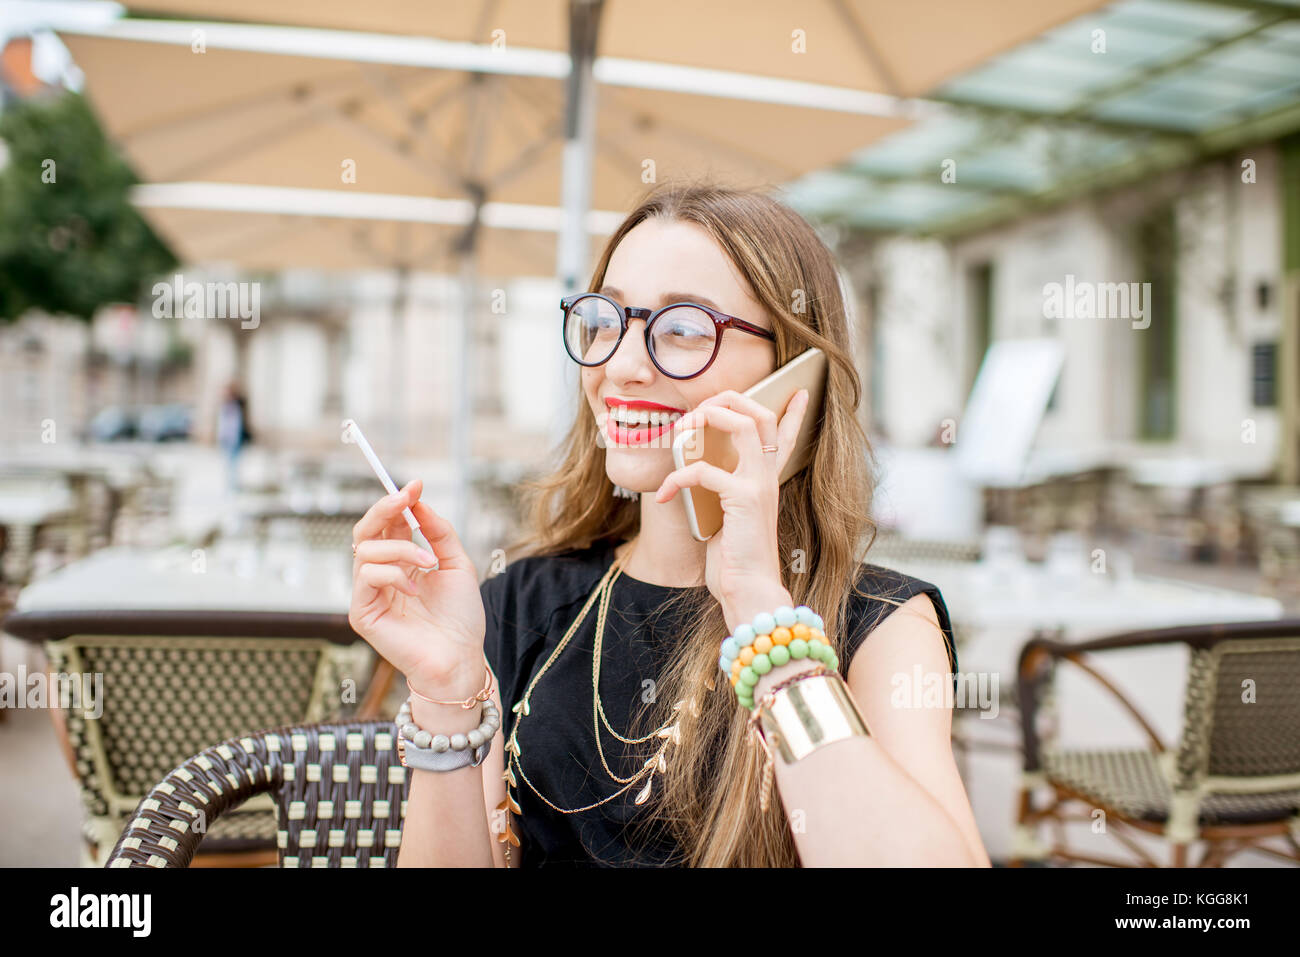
point(507, 807)
point(509, 804)
point(507, 836)
point(645, 792)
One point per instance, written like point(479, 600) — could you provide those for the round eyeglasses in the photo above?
point(682, 338)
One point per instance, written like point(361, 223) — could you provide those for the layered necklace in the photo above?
point(668, 731)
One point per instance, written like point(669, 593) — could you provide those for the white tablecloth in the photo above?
point(1029, 598)
point(997, 610)
point(229, 577)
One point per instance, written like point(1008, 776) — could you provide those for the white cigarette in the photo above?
point(351, 429)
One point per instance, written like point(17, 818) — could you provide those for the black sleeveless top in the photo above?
point(529, 607)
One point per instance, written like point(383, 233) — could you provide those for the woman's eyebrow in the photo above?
point(666, 298)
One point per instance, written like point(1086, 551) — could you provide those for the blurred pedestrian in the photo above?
point(233, 432)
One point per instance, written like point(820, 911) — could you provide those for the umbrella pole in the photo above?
point(396, 365)
point(460, 434)
point(579, 129)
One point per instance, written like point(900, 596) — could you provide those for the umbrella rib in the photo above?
point(551, 132)
point(382, 82)
point(318, 88)
point(453, 90)
point(868, 47)
point(526, 156)
point(487, 90)
point(696, 139)
point(424, 168)
point(361, 240)
point(411, 118)
point(250, 144)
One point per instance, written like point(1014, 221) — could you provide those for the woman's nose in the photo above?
point(631, 360)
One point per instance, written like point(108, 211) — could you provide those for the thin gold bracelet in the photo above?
point(469, 702)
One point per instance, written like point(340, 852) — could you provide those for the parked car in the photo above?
point(112, 424)
point(165, 423)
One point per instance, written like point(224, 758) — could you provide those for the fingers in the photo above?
point(440, 534)
point(392, 550)
point(764, 418)
point(370, 579)
point(742, 428)
point(700, 474)
point(380, 519)
point(791, 423)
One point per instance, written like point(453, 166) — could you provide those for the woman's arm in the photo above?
point(434, 812)
point(894, 798)
point(447, 817)
point(430, 623)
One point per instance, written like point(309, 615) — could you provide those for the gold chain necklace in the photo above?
point(668, 731)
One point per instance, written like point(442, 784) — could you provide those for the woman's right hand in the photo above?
point(429, 624)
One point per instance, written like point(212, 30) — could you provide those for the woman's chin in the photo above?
point(637, 480)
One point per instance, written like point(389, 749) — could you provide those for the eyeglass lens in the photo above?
point(681, 339)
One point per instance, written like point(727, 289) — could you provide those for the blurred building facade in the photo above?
point(1202, 379)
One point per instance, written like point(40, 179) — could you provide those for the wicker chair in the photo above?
point(317, 529)
point(1233, 780)
point(174, 682)
point(339, 792)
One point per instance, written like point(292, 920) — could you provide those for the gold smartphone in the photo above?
point(805, 371)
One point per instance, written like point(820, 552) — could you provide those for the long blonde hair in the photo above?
point(707, 798)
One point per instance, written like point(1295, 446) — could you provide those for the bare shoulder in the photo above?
point(910, 637)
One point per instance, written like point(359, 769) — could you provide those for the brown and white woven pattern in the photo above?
point(1131, 783)
point(167, 697)
point(339, 790)
point(1242, 711)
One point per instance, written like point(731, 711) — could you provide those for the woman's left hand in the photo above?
point(742, 561)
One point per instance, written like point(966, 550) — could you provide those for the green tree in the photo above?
point(70, 240)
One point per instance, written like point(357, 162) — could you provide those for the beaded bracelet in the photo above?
point(773, 640)
point(463, 741)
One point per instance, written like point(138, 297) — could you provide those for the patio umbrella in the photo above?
point(347, 124)
point(375, 109)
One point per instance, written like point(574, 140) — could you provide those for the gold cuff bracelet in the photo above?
point(810, 714)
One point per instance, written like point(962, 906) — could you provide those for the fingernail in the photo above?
point(426, 556)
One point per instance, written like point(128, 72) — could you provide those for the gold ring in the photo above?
point(354, 549)
point(769, 448)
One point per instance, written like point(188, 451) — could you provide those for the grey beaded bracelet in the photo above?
point(423, 750)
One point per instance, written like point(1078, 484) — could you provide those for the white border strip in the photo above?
point(340, 204)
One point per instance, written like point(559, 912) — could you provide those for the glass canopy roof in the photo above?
point(1063, 114)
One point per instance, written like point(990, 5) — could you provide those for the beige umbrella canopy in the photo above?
point(904, 49)
point(264, 237)
point(236, 116)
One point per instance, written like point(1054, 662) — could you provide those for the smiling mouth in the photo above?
point(639, 418)
point(637, 427)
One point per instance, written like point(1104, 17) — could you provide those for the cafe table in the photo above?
point(188, 647)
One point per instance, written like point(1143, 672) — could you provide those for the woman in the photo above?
point(660, 765)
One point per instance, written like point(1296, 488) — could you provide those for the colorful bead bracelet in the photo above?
point(773, 640)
